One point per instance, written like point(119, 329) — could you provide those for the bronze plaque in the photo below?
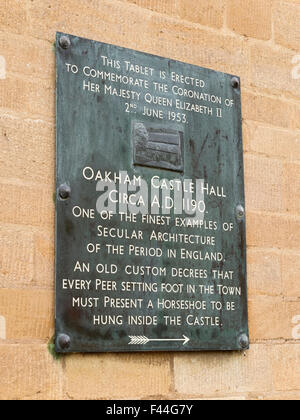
point(150, 208)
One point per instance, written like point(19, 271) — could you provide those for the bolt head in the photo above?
point(240, 212)
point(64, 42)
point(244, 341)
point(63, 341)
point(64, 191)
point(235, 83)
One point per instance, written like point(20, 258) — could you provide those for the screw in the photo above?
point(64, 191)
point(235, 83)
point(244, 341)
point(63, 341)
point(64, 42)
point(240, 212)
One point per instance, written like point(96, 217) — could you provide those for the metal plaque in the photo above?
point(150, 208)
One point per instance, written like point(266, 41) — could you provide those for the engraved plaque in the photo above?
point(150, 207)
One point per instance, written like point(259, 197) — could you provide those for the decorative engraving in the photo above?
point(157, 147)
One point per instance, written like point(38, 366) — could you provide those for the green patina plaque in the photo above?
point(150, 219)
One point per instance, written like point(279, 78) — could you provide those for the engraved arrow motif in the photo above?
point(142, 340)
point(138, 339)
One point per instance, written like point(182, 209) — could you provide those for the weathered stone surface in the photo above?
point(29, 314)
point(226, 373)
point(252, 18)
point(29, 372)
point(111, 376)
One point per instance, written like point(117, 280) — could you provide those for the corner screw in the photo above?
point(64, 191)
point(240, 212)
point(63, 341)
point(235, 83)
point(64, 42)
point(244, 341)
